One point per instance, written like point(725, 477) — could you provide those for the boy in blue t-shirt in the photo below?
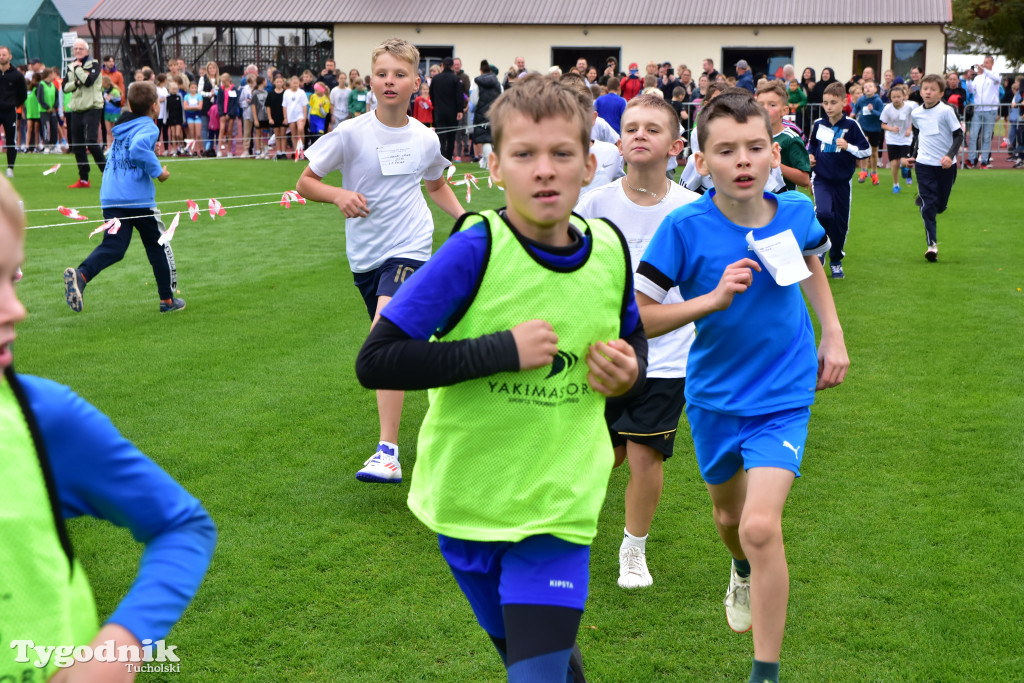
point(752, 370)
point(514, 456)
point(836, 143)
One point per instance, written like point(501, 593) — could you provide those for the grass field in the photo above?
point(901, 535)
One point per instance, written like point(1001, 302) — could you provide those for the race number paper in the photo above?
point(398, 159)
point(825, 134)
point(781, 255)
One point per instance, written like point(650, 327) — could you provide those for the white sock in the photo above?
point(629, 540)
point(389, 445)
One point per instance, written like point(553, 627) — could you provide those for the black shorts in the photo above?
point(384, 280)
point(650, 418)
point(897, 152)
point(874, 137)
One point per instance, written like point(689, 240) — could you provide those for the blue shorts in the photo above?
point(384, 280)
point(724, 443)
point(538, 570)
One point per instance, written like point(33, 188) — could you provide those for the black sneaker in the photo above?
point(74, 283)
point(175, 305)
point(933, 253)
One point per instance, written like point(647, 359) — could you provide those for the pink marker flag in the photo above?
point(451, 172)
point(216, 209)
point(52, 169)
point(169, 233)
point(299, 153)
point(72, 213)
point(106, 226)
point(193, 210)
point(291, 196)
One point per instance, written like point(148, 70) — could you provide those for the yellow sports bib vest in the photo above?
point(44, 593)
point(518, 454)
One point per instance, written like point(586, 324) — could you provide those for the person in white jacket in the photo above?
point(985, 88)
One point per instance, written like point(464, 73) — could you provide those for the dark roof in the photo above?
point(544, 12)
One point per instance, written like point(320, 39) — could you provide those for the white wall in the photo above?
point(815, 46)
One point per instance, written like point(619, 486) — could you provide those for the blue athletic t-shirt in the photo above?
point(424, 305)
point(757, 356)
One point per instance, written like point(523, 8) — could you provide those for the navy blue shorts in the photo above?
point(724, 443)
point(538, 570)
point(384, 280)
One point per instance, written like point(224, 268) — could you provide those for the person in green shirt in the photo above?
point(796, 164)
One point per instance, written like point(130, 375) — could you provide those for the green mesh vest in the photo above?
point(518, 454)
point(44, 593)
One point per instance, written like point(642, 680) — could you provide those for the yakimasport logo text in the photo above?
point(545, 393)
point(64, 656)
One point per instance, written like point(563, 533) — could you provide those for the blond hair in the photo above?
point(539, 98)
point(398, 48)
point(575, 82)
point(773, 87)
point(10, 207)
point(655, 101)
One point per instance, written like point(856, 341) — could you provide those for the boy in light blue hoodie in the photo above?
point(128, 194)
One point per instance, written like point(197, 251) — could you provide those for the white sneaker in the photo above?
point(633, 568)
point(10, 172)
point(737, 602)
point(382, 468)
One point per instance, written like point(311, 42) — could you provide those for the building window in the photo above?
point(906, 54)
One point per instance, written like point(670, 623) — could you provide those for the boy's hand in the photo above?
point(613, 367)
point(833, 362)
point(735, 279)
point(946, 162)
point(95, 671)
point(164, 176)
point(536, 343)
point(811, 157)
point(841, 143)
point(908, 162)
point(352, 204)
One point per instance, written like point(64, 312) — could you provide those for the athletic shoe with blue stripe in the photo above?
point(382, 468)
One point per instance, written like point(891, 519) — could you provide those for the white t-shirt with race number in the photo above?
point(385, 165)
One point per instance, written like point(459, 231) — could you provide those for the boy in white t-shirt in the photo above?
point(896, 124)
point(643, 427)
point(389, 232)
point(937, 139)
point(339, 100)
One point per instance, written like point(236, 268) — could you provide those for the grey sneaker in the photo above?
point(175, 305)
point(74, 283)
point(737, 602)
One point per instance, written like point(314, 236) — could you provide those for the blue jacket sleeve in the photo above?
point(101, 474)
point(140, 150)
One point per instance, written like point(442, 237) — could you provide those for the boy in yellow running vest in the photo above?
point(521, 325)
point(61, 458)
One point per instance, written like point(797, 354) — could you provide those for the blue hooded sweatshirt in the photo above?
point(131, 164)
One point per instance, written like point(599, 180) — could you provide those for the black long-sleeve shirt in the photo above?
point(13, 90)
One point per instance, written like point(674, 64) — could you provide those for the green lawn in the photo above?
point(901, 534)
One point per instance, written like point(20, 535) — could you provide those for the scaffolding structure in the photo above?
point(289, 49)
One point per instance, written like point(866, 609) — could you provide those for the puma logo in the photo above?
point(795, 449)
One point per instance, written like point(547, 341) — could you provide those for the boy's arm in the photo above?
point(833, 360)
point(796, 176)
point(659, 318)
point(441, 194)
point(141, 152)
point(352, 204)
point(912, 159)
point(101, 474)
